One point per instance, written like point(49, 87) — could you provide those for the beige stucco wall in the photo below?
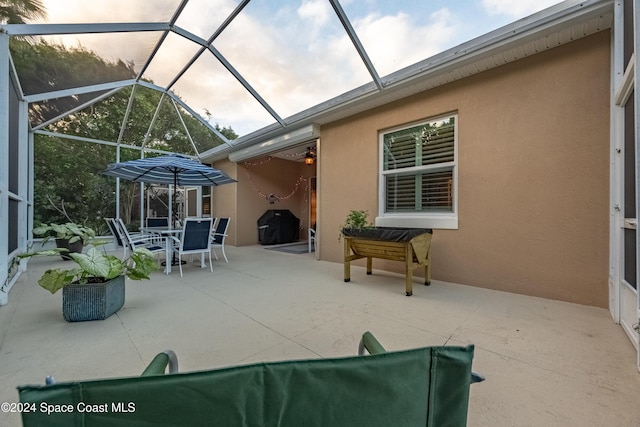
point(224, 200)
point(533, 173)
point(245, 201)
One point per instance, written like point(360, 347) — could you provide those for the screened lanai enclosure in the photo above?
point(91, 83)
point(238, 83)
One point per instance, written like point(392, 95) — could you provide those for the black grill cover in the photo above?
point(278, 226)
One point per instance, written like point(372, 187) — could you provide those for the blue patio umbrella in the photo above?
point(170, 169)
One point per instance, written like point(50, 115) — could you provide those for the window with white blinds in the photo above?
point(418, 168)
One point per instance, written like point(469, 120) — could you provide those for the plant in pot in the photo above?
point(94, 290)
point(356, 220)
point(70, 236)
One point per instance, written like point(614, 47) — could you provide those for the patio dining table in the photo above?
point(168, 234)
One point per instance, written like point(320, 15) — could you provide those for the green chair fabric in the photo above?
point(420, 387)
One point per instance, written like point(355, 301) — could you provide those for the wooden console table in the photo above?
point(409, 245)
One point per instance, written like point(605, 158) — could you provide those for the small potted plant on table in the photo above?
point(94, 290)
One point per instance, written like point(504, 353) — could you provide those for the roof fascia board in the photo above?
point(289, 139)
point(214, 154)
point(58, 29)
point(78, 90)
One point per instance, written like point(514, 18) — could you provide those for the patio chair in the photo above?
point(195, 239)
point(219, 235)
point(371, 345)
point(311, 240)
point(161, 222)
point(420, 387)
point(113, 227)
point(133, 241)
point(157, 221)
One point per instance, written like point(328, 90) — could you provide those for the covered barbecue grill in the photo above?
point(278, 226)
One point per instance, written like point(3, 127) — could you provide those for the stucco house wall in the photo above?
point(533, 175)
point(245, 200)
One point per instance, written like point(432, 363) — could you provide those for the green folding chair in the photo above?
point(420, 387)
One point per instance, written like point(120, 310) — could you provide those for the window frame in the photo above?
point(442, 220)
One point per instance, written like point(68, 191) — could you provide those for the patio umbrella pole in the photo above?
point(174, 259)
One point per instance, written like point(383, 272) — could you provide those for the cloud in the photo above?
point(295, 56)
point(317, 11)
point(516, 9)
point(82, 11)
point(396, 41)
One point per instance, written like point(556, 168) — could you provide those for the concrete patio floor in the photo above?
point(547, 363)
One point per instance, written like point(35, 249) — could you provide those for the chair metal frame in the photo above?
point(115, 230)
point(160, 221)
point(190, 241)
point(219, 236)
point(134, 241)
point(312, 239)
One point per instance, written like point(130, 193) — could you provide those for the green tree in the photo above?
point(66, 171)
point(21, 11)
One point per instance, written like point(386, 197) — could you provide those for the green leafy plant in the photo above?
point(357, 220)
point(70, 231)
point(96, 267)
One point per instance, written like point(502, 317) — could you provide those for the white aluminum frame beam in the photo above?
point(346, 24)
point(94, 28)
point(4, 165)
point(78, 90)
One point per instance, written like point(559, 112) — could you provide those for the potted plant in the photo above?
point(356, 220)
point(94, 290)
point(70, 236)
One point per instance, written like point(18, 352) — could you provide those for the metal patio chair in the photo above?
point(115, 230)
point(133, 241)
point(219, 235)
point(195, 239)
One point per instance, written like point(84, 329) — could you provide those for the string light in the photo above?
point(301, 179)
point(272, 197)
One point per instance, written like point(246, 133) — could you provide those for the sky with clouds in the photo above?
point(294, 53)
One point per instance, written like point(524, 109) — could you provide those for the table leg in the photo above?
point(167, 254)
point(408, 271)
point(347, 262)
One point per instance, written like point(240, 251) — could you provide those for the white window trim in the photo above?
point(414, 219)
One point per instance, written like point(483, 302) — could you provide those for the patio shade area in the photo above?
point(547, 363)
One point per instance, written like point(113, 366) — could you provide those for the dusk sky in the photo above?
point(294, 53)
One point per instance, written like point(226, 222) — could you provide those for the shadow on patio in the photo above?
point(547, 363)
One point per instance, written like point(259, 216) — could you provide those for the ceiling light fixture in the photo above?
point(310, 157)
